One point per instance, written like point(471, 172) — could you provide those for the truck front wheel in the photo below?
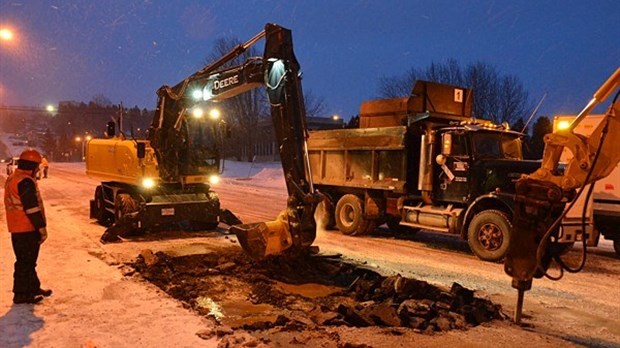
point(350, 216)
point(488, 235)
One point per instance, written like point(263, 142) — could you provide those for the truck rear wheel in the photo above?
point(488, 235)
point(617, 246)
point(350, 216)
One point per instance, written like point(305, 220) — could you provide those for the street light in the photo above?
point(84, 140)
point(6, 34)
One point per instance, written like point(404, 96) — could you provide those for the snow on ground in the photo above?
point(265, 174)
point(93, 304)
point(14, 144)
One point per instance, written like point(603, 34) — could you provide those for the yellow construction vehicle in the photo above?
point(544, 197)
point(278, 71)
point(166, 179)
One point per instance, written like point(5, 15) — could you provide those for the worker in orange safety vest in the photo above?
point(45, 166)
point(25, 217)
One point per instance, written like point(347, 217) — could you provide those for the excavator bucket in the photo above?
point(264, 238)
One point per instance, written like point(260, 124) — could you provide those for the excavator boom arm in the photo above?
point(279, 72)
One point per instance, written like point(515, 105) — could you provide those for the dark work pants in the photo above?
point(26, 249)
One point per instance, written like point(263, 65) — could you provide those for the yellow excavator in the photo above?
point(544, 196)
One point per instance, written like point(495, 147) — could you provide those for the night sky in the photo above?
point(125, 50)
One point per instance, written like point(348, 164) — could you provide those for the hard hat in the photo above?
point(31, 155)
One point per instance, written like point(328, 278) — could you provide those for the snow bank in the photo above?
point(15, 144)
point(265, 174)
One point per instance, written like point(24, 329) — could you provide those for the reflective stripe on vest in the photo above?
point(16, 218)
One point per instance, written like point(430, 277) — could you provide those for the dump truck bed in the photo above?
point(366, 158)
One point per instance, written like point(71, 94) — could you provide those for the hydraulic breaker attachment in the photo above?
point(538, 204)
point(264, 238)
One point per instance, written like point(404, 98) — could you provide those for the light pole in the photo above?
point(83, 140)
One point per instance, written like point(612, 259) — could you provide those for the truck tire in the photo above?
point(488, 235)
point(617, 246)
point(350, 217)
point(124, 205)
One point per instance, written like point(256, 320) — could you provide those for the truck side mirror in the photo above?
point(111, 131)
point(141, 150)
point(446, 144)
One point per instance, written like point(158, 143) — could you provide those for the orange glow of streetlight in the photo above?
point(78, 139)
point(6, 34)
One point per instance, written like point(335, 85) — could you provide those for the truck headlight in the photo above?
point(148, 183)
point(214, 179)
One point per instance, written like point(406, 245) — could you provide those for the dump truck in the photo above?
point(602, 208)
point(422, 162)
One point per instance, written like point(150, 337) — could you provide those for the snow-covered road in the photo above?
point(94, 303)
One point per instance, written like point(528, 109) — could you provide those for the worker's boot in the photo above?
point(45, 292)
point(18, 299)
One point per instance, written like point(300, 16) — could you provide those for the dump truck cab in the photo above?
point(476, 159)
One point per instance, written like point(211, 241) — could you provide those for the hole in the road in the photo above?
point(309, 291)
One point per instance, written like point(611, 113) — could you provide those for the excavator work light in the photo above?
point(563, 125)
point(214, 114)
point(214, 179)
point(197, 94)
point(197, 112)
point(148, 183)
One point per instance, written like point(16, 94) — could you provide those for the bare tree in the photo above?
point(496, 97)
point(398, 86)
point(512, 99)
point(243, 112)
point(542, 126)
point(315, 106)
point(449, 72)
point(101, 100)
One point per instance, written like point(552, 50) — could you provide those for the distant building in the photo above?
point(266, 148)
